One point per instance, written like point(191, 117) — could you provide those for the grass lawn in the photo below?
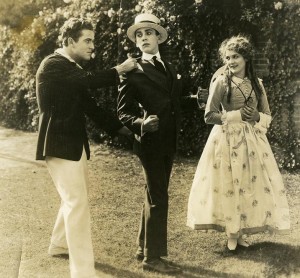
point(116, 197)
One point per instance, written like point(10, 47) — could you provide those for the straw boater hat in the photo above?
point(150, 21)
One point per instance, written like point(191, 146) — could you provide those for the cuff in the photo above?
point(264, 122)
point(231, 117)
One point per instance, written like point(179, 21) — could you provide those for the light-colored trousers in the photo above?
point(72, 228)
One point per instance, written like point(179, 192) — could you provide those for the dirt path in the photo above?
point(28, 207)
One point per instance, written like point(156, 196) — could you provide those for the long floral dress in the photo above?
point(237, 186)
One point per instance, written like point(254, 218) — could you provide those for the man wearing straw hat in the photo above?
point(148, 104)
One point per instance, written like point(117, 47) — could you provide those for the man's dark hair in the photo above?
point(72, 28)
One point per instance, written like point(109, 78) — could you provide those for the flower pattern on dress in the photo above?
point(228, 218)
point(216, 165)
point(234, 154)
point(268, 214)
point(254, 203)
point(267, 190)
point(282, 192)
point(265, 155)
point(253, 179)
point(243, 217)
point(203, 202)
point(236, 182)
point(252, 155)
point(229, 193)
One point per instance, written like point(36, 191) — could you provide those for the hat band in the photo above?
point(147, 21)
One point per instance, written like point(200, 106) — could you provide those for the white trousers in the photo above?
point(72, 228)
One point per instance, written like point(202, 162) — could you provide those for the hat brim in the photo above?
point(162, 31)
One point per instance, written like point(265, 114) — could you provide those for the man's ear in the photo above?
point(159, 37)
point(70, 41)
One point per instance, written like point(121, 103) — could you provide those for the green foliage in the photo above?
point(283, 52)
point(196, 28)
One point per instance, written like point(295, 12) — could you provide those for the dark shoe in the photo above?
point(57, 251)
point(242, 243)
point(139, 255)
point(158, 265)
point(228, 253)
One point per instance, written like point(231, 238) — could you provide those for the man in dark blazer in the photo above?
point(149, 105)
point(62, 94)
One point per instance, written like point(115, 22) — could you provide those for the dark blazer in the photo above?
point(150, 92)
point(63, 101)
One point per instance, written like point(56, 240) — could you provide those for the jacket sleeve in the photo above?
point(59, 69)
point(128, 108)
point(103, 119)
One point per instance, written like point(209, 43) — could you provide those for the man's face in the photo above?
point(147, 40)
point(84, 47)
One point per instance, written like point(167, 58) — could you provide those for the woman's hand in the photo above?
point(250, 114)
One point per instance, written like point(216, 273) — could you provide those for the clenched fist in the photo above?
point(126, 66)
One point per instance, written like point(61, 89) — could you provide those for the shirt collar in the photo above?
point(148, 57)
point(63, 52)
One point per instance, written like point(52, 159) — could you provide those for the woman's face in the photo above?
point(236, 63)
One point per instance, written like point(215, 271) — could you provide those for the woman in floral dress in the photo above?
point(237, 186)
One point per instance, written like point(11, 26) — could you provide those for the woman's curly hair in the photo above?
point(242, 45)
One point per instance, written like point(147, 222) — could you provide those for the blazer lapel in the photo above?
point(153, 74)
point(173, 74)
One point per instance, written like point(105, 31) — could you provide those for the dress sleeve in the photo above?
point(213, 113)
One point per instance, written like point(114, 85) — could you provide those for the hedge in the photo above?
point(196, 28)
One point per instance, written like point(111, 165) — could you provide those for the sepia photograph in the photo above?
point(149, 139)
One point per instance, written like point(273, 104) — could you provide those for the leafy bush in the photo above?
point(196, 28)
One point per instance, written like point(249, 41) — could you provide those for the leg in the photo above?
point(70, 178)
point(58, 245)
point(153, 228)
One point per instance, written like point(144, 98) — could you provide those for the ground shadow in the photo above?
point(187, 272)
point(116, 272)
point(279, 259)
point(282, 259)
